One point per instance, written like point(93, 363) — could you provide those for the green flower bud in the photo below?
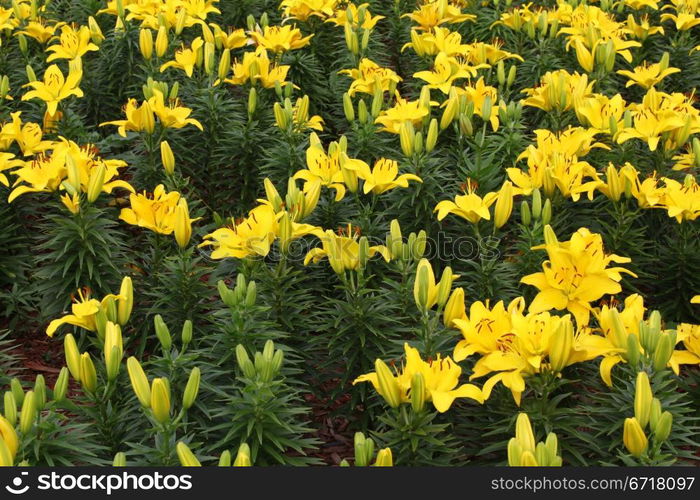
point(61, 386)
point(10, 408)
point(191, 389)
point(28, 414)
point(119, 460)
point(163, 332)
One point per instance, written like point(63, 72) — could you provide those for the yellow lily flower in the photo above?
point(469, 206)
point(138, 118)
point(252, 236)
point(445, 71)
point(382, 177)
point(642, 29)
point(369, 76)
point(172, 114)
point(393, 118)
point(340, 17)
point(86, 162)
point(232, 39)
point(436, 41)
point(690, 336)
point(157, 213)
point(71, 202)
point(28, 136)
point(484, 55)
point(478, 94)
point(256, 67)
point(683, 20)
point(559, 90)
point(304, 9)
point(486, 328)
point(42, 174)
point(343, 252)
point(601, 112)
point(280, 39)
point(185, 58)
point(55, 87)
point(441, 377)
point(575, 275)
point(682, 201)
point(433, 14)
point(72, 44)
point(657, 114)
point(647, 75)
point(324, 168)
point(84, 310)
point(8, 161)
point(39, 30)
point(641, 4)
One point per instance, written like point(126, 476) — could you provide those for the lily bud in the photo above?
point(17, 391)
point(186, 334)
point(634, 438)
point(450, 112)
point(167, 158)
point(384, 458)
point(146, 43)
point(432, 137)
point(119, 460)
point(191, 389)
point(550, 237)
point(664, 350)
point(547, 212)
point(525, 214)
point(160, 400)
point(536, 204)
point(125, 303)
point(362, 113)
point(421, 287)
point(72, 354)
point(444, 286)
point(417, 392)
point(40, 392)
point(642, 399)
point(139, 382)
point(243, 456)
point(348, 108)
point(504, 205)
point(183, 224)
point(561, 345)
point(10, 407)
point(654, 413)
point(61, 385)
point(663, 427)
point(418, 248)
point(162, 332)
point(633, 349)
point(162, 41)
point(455, 307)
point(364, 450)
point(185, 455)
point(244, 362)
point(523, 433)
point(388, 386)
point(225, 459)
point(96, 182)
point(28, 413)
point(88, 375)
point(407, 138)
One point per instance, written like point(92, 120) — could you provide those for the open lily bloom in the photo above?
point(441, 377)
